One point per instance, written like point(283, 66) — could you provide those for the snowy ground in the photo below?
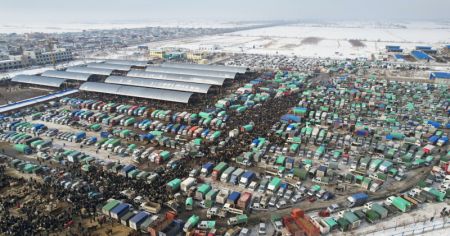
point(324, 40)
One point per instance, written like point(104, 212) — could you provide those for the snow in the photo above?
point(325, 40)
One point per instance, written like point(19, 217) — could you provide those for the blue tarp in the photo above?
point(419, 55)
point(290, 117)
point(433, 139)
point(435, 124)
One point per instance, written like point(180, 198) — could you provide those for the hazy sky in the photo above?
point(120, 11)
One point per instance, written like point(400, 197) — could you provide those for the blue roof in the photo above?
point(399, 56)
point(419, 55)
point(440, 75)
point(392, 47)
point(423, 47)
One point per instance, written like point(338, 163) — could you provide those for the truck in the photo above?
point(304, 222)
point(136, 221)
point(151, 207)
point(218, 170)
point(244, 201)
point(246, 179)
point(320, 224)
point(381, 211)
point(222, 196)
point(236, 175)
point(173, 185)
point(79, 136)
point(23, 148)
point(206, 169)
point(236, 220)
point(274, 184)
point(401, 204)
point(187, 183)
point(120, 210)
point(202, 191)
point(233, 198)
point(191, 223)
point(111, 203)
point(225, 177)
point(173, 228)
point(159, 224)
point(357, 199)
point(291, 226)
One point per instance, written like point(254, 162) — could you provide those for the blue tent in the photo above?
point(290, 117)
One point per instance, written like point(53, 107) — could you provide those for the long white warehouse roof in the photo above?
point(90, 70)
point(39, 80)
point(177, 77)
point(67, 75)
point(159, 84)
point(132, 91)
point(109, 66)
point(126, 62)
point(183, 71)
point(206, 67)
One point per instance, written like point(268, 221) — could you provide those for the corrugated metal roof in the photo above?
point(177, 77)
point(206, 67)
point(132, 91)
point(126, 62)
point(159, 84)
point(67, 75)
point(90, 70)
point(183, 71)
point(109, 66)
point(39, 80)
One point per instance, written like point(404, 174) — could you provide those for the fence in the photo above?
point(416, 228)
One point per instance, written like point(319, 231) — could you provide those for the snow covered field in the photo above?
point(325, 40)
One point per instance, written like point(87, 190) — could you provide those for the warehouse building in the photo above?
point(420, 56)
point(440, 77)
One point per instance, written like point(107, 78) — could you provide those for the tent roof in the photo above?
point(159, 84)
point(109, 66)
point(90, 70)
point(39, 80)
point(177, 77)
point(198, 72)
point(67, 75)
point(235, 69)
point(132, 91)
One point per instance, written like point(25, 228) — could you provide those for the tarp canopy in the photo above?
point(132, 91)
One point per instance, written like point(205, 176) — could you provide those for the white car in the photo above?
point(262, 229)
